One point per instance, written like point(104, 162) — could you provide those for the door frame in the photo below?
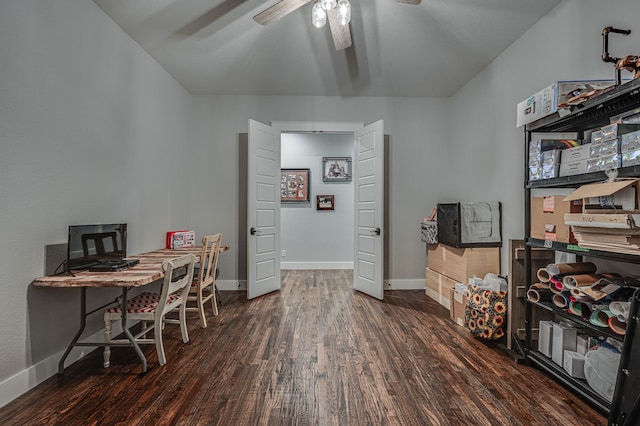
point(329, 127)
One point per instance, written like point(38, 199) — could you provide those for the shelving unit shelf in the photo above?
point(594, 113)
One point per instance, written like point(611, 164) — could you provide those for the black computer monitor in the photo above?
point(89, 245)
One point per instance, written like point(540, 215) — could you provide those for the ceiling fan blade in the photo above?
point(415, 2)
point(340, 33)
point(278, 10)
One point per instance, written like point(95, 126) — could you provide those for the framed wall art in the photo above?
point(324, 202)
point(294, 186)
point(336, 169)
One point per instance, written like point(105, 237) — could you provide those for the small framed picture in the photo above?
point(294, 186)
point(336, 169)
point(324, 202)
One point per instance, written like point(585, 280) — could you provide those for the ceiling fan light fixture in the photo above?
point(318, 15)
point(344, 12)
point(328, 4)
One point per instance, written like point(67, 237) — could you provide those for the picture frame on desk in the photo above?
point(295, 186)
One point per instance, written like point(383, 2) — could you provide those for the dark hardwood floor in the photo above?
point(315, 353)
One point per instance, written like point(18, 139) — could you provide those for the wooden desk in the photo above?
point(149, 270)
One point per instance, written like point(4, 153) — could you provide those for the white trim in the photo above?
point(18, 384)
point(405, 284)
point(316, 126)
point(228, 285)
point(316, 265)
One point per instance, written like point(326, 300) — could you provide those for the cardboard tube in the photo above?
point(571, 268)
point(539, 295)
point(561, 300)
point(543, 275)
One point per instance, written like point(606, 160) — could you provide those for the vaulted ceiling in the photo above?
point(432, 49)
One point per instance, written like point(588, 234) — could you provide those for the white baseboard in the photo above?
point(316, 265)
point(226, 285)
point(407, 284)
point(23, 381)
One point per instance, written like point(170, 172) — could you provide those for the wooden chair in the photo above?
point(203, 288)
point(154, 306)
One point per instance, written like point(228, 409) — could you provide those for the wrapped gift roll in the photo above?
point(539, 295)
point(571, 268)
point(561, 300)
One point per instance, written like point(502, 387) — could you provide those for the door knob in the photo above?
point(254, 231)
point(375, 231)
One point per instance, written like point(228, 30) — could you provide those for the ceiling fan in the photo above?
point(339, 29)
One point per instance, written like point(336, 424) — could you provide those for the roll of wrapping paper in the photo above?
point(618, 327)
point(579, 295)
point(571, 268)
point(543, 275)
point(539, 295)
point(585, 310)
point(620, 309)
point(583, 280)
point(600, 317)
point(575, 308)
point(556, 282)
point(561, 300)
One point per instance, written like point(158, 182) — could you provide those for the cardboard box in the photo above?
point(461, 263)
point(573, 364)
point(458, 306)
point(578, 153)
point(553, 97)
point(180, 239)
point(545, 337)
point(439, 287)
point(564, 339)
point(573, 168)
point(547, 218)
point(623, 192)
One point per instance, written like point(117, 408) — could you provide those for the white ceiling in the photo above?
point(215, 47)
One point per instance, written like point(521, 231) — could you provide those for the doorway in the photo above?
point(311, 237)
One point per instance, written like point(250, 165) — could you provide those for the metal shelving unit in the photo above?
point(594, 113)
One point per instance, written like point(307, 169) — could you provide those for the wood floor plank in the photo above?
point(314, 353)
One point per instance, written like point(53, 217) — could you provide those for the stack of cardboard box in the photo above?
point(448, 265)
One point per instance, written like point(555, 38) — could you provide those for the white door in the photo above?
point(368, 180)
point(263, 205)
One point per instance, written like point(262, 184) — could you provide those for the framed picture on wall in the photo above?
point(294, 186)
point(336, 169)
point(324, 202)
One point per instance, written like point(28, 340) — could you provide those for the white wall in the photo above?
point(317, 239)
point(564, 45)
point(91, 130)
point(418, 176)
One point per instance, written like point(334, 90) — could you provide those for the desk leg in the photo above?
point(83, 321)
point(127, 333)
